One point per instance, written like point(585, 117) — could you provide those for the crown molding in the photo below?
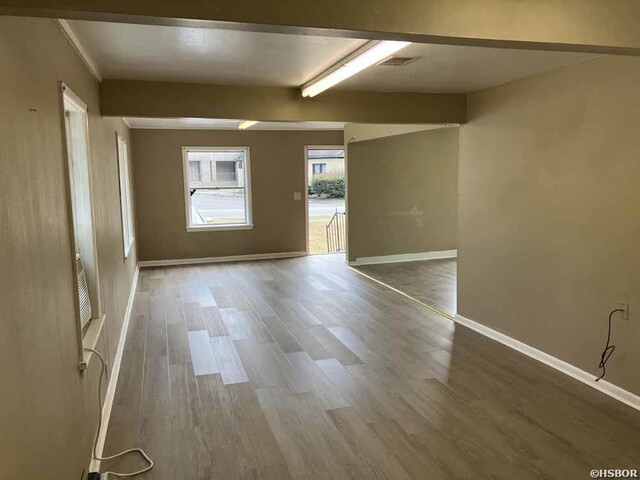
point(78, 47)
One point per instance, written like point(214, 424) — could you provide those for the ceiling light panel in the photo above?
point(246, 124)
point(371, 56)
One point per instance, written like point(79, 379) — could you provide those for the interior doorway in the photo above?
point(403, 207)
point(325, 199)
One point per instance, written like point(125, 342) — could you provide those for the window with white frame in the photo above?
point(219, 198)
point(82, 224)
point(126, 201)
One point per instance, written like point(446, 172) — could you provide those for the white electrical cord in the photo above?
point(105, 475)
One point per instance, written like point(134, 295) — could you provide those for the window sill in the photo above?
point(90, 340)
point(220, 228)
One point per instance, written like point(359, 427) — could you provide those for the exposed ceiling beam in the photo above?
point(133, 98)
point(599, 26)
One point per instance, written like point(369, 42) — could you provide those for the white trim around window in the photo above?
point(81, 214)
point(248, 223)
point(126, 201)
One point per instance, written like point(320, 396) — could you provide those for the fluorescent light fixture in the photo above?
point(246, 124)
point(378, 52)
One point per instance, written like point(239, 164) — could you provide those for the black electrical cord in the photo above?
point(608, 349)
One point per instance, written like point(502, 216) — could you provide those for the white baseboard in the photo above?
point(587, 378)
point(404, 257)
point(232, 258)
point(114, 371)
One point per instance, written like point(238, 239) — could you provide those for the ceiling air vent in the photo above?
point(397, 61)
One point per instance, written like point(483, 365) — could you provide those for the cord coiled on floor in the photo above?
point(103, 374)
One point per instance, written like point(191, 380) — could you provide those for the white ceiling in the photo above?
point(203, 55)
point(144, 52)
point(457, 69)
point(219, 124)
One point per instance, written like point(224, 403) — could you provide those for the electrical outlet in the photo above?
point(624, 306)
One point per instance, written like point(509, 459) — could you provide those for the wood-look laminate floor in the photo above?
point(432, 282)
point(304, 369)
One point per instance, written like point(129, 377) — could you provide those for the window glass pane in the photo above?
point(314, 154)
point(218, 206)
point(319, 168)
point(82, 215)
point(217, 190)
point(125, 195)
point(195, 172)
point(226, 171)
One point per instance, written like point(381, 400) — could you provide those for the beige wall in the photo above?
point(358, 132)
point(402, 194)
point(47, 410)
point(549, 216)
point(277, 170)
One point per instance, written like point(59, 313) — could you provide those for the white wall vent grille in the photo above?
point(83, 294)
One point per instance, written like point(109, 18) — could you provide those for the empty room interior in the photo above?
point(279, 240)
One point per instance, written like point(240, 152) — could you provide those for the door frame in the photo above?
point(306, 185)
